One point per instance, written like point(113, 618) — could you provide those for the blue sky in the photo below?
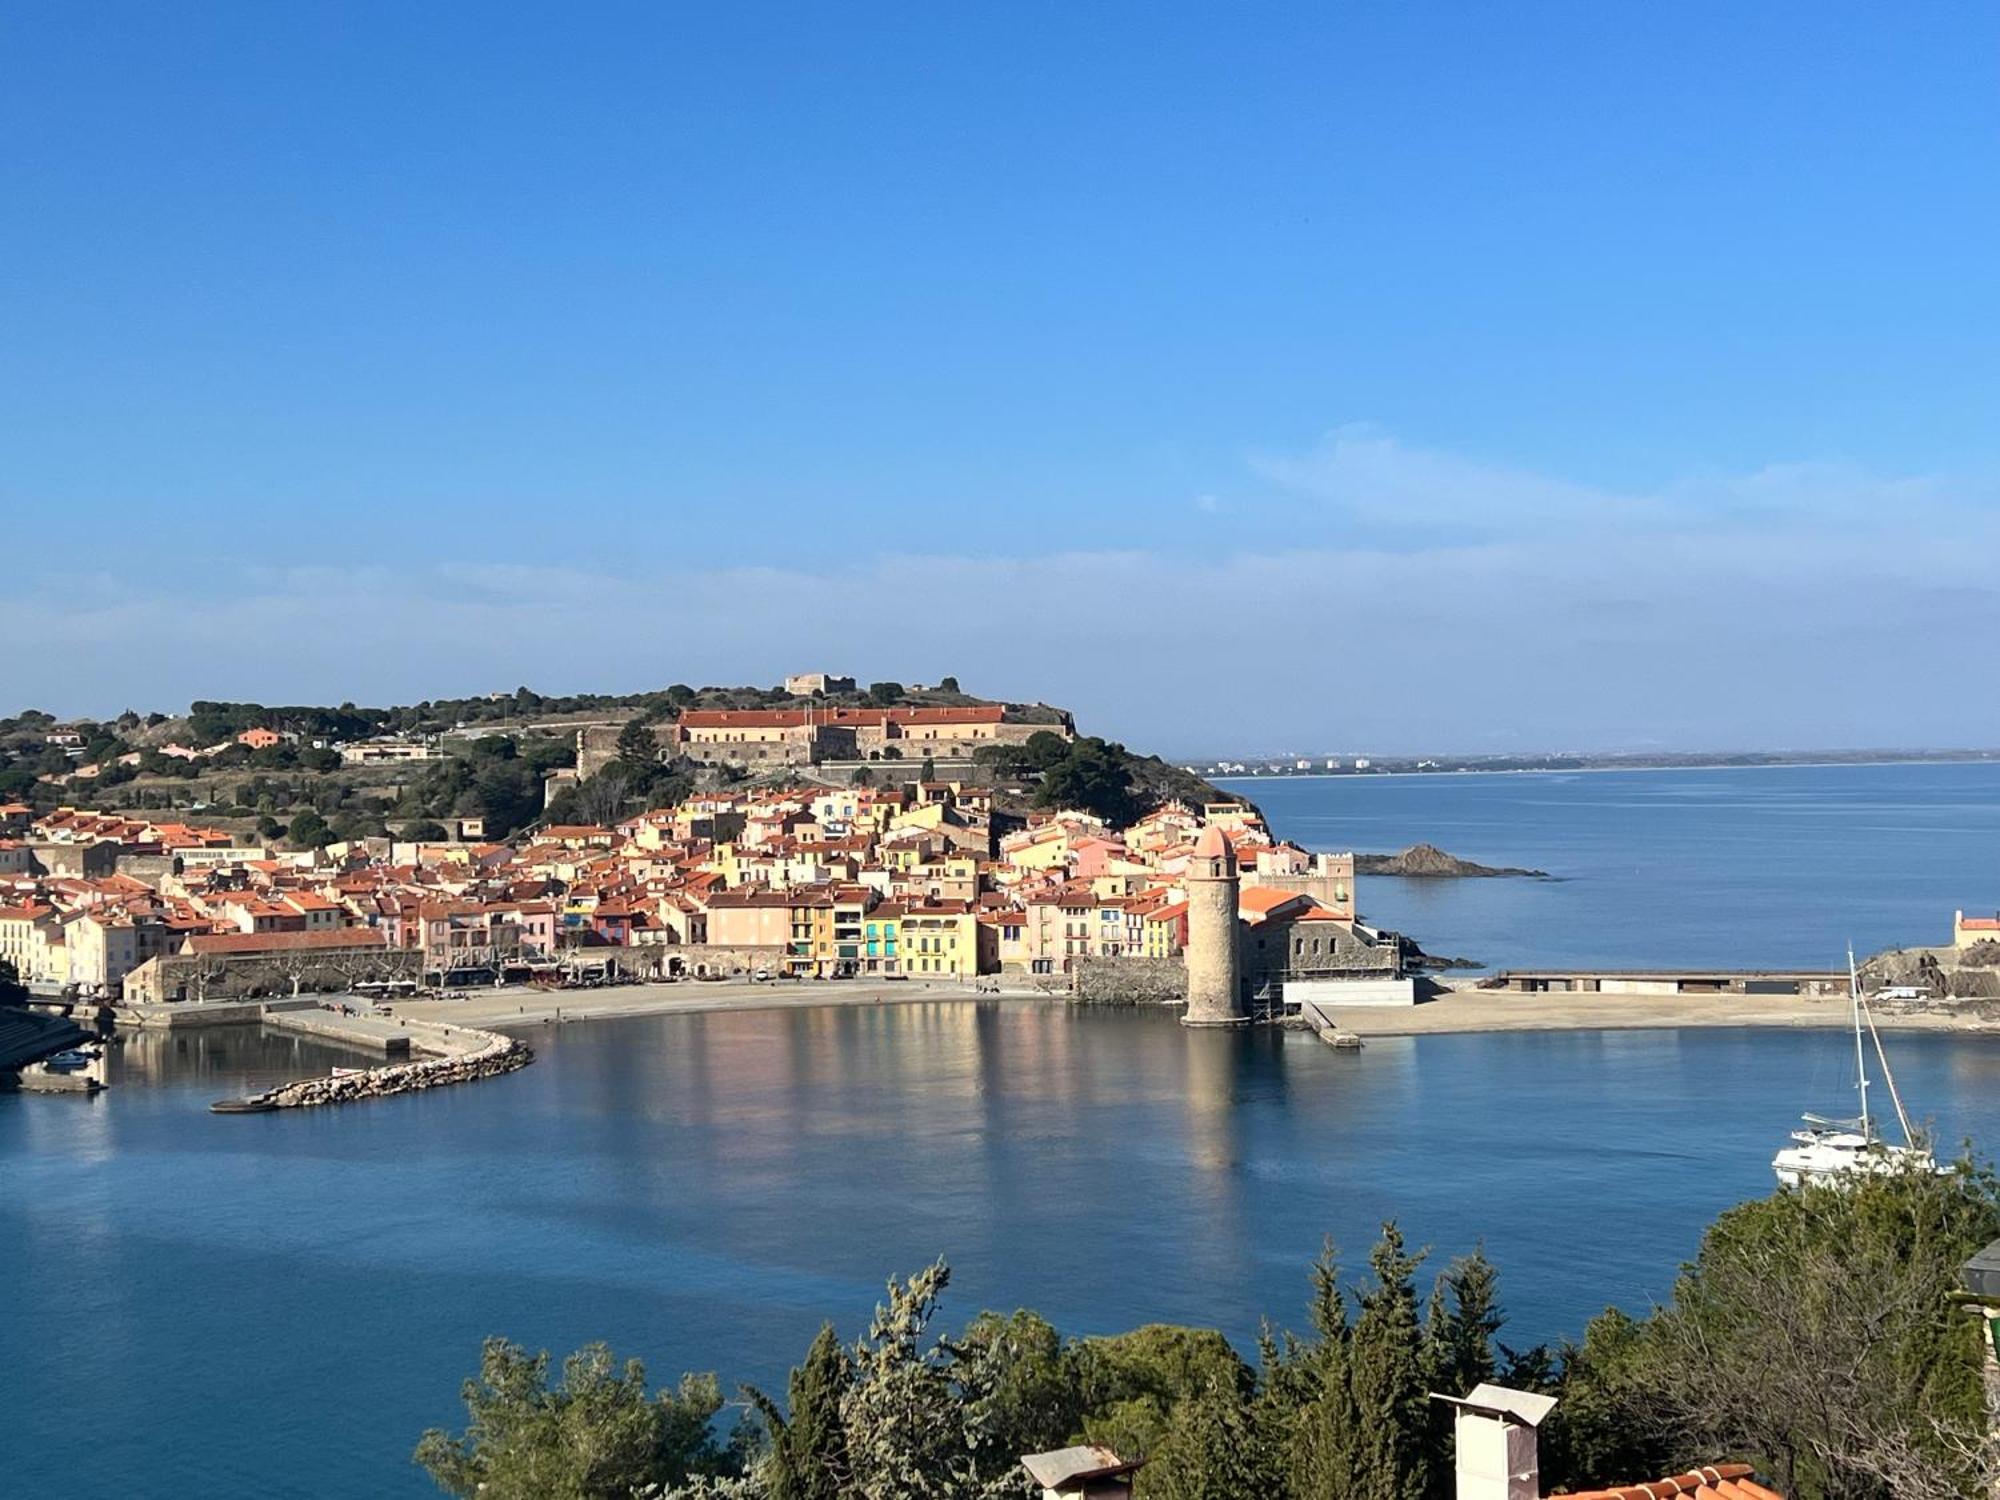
point(1603, 376)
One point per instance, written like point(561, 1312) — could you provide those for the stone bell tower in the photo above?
point(1213, 968)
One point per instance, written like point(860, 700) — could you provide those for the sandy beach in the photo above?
point(1500, 1010)
point(1464, 1010)
point(518, 1006)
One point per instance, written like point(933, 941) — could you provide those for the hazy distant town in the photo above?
point(1408, 765)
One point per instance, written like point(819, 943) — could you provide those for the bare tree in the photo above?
point(601, 800)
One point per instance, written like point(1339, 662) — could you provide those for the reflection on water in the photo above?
point(703, 1190)
point(242, 1059)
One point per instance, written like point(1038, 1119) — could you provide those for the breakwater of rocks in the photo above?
point(488, 1054)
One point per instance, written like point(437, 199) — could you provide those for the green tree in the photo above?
point(885, 694)
point(1815, 1334)
point(1044, 748)
point(1463, 1320)
point(596, 1434)
point(1130, 1382)
point(638, 747)
point(1459, 1330)
point(808, 1456)
point(1386, 1373)
point(310, 830)
point(425, 831)
point(905, 1438)
point(1323, 1443)
point(507, 793)
point(1211, 1451)
point(1093, 778)
point(12, 991)
point(1022, 1389)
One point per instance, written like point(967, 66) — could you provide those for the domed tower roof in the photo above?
point(1212, 845)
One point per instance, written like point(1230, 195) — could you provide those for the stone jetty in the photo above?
point(467, 1055)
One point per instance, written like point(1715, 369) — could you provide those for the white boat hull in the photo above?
point(1828, 1159)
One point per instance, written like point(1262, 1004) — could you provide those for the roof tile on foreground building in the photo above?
point(1714, 1482)
point(1264, 899)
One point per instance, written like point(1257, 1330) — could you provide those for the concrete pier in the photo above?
point(391, 1038)
point(1669, 981)
point(27, 1036)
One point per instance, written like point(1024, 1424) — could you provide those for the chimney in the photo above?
point(1498, 1458)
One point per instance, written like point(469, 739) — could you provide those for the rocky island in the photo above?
point(1428, 862)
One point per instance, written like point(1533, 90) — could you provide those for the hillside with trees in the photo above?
point(1816, 1336)
point(493, 755)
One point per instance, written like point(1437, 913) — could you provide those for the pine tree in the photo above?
point(1464, 1317)
point(808, 1458)
point(1459, 1330)
point(1325, 1451)
point(1386, 1374)
point(902, 1416)
point(1211, 1452)
point(1018, 1384)
point(637, 746)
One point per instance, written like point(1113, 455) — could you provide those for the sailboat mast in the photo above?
point(1860, 1053)
point(1889, 1077)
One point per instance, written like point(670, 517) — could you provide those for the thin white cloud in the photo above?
point(1801, 605)
point(1366, 473)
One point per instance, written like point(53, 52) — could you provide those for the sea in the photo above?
point(279, 1305)
point(1731, 868)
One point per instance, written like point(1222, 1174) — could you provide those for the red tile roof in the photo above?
point(797, 718)
point(1715, 1482)
point(1265, 899)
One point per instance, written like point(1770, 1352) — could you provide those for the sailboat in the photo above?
point(1833, 1151)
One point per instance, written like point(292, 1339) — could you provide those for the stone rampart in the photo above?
point(1130, 981)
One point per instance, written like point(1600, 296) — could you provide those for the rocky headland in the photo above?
point(1943, 974)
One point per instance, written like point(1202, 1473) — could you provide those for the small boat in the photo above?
point(346, 1072)
point(1834, 1151)
point(72, 1057)
point(251, 1106)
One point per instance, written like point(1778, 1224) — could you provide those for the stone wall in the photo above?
point(1130, 981)
point(694, 960)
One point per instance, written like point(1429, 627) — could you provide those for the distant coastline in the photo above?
point(1403, 767)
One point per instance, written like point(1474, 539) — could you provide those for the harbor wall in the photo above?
point(474, 1055)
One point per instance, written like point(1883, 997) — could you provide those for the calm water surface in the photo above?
point(278, 1304)
point(1775, 867)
